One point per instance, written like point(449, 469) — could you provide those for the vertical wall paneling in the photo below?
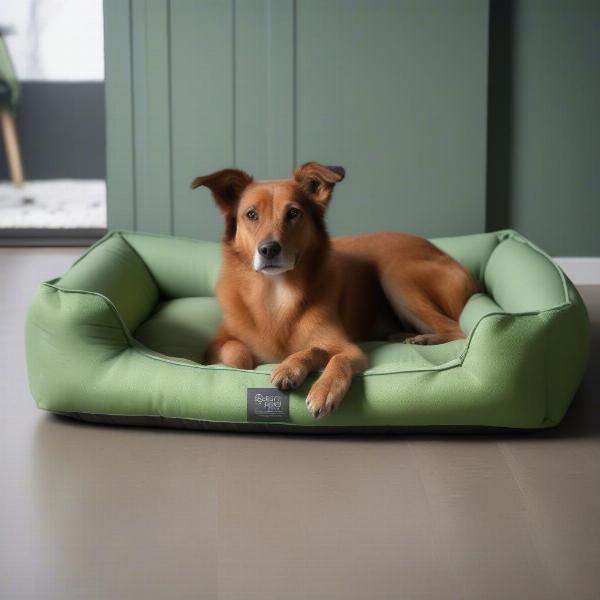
point(396, 91)
point(201, 67)
point(150, 39)
point(281, 88)
point(120, 171)
point(251, 78)
point(393, 90)
point(553, 180)
point(264, 87)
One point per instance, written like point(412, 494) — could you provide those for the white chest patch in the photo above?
point(282, 295)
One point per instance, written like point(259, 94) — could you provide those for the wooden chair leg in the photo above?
point(11, 143)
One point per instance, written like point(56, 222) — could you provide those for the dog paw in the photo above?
point(421, 340)
point(287, 377)
point(325, 396)
point(428, 339)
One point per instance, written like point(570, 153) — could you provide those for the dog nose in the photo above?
point(269, 248)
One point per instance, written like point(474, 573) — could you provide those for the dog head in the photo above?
point(274, 224)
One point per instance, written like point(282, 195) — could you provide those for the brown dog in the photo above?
point(291, 294)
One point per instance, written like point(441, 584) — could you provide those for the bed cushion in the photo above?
point(120, 338)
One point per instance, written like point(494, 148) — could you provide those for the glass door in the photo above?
point(52, 148)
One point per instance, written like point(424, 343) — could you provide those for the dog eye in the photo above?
point(292, 214)
point(252, 214)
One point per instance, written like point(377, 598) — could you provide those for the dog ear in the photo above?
point(317, 181)
point(226, 186)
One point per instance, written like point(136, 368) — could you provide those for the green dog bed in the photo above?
point(120, 338)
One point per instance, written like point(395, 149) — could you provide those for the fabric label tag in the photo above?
point(268, 404)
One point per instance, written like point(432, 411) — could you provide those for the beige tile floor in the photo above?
point(112, 513)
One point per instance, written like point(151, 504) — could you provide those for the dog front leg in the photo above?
point(329, 390)
point(293, 370)
point(229, 351)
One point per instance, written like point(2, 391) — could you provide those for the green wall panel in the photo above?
point(554, 177)
point(264, 87)
point(202, 88)
point(152, 123)
point(281, 88)
point(120, 162)
point(395, 91)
